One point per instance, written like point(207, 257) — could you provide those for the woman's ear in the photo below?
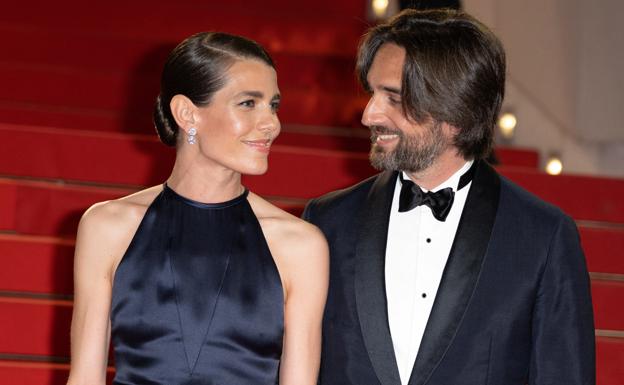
point(183, 111)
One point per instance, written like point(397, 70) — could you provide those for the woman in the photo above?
point(199, 281)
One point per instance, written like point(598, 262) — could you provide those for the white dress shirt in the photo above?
point(416, 253)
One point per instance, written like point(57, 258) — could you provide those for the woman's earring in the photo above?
point(191, 136)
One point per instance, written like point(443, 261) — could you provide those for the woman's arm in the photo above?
point(306, 272)
point(99, 244)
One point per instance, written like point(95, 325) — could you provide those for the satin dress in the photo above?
point(197, 298)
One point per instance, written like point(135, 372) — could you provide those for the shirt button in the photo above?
point(424, 295)
point(428, 240)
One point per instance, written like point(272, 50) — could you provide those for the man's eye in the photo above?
point(248, 103)
point(275, 106)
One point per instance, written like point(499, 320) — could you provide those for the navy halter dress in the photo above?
point(197, 298)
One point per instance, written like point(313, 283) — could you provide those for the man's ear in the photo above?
point(183, 111)
point(450, 131)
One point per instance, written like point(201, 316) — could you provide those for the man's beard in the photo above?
point(413, 153)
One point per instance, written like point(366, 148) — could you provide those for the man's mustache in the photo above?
point(383, 130)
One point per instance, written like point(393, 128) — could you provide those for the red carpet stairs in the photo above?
point(75, 108)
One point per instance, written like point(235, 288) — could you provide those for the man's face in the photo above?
point(398, 142)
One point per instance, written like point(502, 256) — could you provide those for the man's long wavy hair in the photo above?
point(454, 72)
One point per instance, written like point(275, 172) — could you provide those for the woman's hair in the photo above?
point(454, 72)
point(196, 68)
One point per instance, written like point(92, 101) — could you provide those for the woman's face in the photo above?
point(237, 128)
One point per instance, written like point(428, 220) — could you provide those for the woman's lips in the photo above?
point(261, 145)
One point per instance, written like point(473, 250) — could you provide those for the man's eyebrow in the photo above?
point(391, 90)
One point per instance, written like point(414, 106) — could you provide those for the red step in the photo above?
point(35, 327)
point(83, 155)
point(571, 193)
point(35, 264)
point(607, 300)
point(609, 361)
point(18, 113)
point(517, 157)
point(8, 206)
point(33, 373)
point(62, 206)
point(603, 248)
point(66, 48)
point(319, 27)
point(68, 60)
point(61, 86)
point(37, 373)
point(353, 8)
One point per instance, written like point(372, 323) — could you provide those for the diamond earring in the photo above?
point(191, 136)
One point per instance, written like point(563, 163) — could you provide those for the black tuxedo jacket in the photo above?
point(513, 306)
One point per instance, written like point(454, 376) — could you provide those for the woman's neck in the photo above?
point(204, 181)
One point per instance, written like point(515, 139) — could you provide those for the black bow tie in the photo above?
point(440, 202)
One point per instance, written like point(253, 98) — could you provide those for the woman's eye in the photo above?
point(394, 101)
point(248, 103)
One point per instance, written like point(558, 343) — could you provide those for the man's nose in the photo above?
point(373, 113)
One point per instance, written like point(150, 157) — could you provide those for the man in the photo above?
point(442, 271)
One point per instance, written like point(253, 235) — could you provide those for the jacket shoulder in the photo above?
point(337, 202)
point(528, 205)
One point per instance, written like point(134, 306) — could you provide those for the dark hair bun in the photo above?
point(166, 128)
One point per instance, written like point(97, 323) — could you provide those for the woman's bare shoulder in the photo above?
point(106, 228)
point(127, 208)
point(289, 237)
point(299, 248)
point(285, 226)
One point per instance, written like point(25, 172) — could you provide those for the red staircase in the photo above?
point(78, 83)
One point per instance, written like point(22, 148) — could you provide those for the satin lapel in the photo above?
point(460, 273)
point(370, 286)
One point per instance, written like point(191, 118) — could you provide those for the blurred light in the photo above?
point(507, 124)
point(380, 7)
point(554, 166)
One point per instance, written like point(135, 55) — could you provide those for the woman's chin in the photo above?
point(255, 169)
